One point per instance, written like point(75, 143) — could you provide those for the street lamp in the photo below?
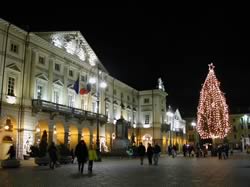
point(171, 115)
point(103, 85)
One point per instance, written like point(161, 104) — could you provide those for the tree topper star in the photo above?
point(211, 66)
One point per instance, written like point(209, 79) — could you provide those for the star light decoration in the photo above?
point(212, 115)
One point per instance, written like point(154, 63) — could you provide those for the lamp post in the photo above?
point(170, 114)
point(101, 84)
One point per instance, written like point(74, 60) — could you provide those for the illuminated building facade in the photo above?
point(41, 74)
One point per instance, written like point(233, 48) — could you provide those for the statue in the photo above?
point(160, 85)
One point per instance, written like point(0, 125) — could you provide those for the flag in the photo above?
point(85, 90)
point(76, 86)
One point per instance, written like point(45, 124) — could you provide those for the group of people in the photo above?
point(152, 153)
point(82, 153)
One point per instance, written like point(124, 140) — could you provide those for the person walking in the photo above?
point(157, 151)
point(141, 152)
point(81, 152)
point(11, 152)
point(52, 155)
point(150, 153)
point(92, 156)
point(184, 150)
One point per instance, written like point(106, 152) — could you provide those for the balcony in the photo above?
point(46, 106)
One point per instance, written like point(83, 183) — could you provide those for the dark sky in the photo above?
point(138, 45)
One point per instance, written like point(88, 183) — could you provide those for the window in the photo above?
point(147, 119)
point(242, 127)
point(129, 115)
point(71, 73)
point(56, 96)
point(14, 48)
point(248, 126)
point(39, 91)
point(234, 128)
point(235, 136)
point(133, 99)
point(128, 98)
point(94, 108)
point(107, 110)
point(83, 78)
point(241, 121)
point(57, 67)
point(41, 60)
point(115, 112)
point(71, 99)
point(134, 117)
point(233, 119)
point(146, 100)
point(11, 86)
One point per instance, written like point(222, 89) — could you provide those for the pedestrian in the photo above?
point(173, 151)
point(141, 152)
point(150, 153)
point(169, 150)
point(219, 151)
point(92, 156)
point(184, 150)
point(81, 152)
point(11, 152)
point(52, 155)
point(157, 151)
point(72, 155)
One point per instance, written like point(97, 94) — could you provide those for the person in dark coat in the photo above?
point(157, 151)
point(81, 152)
point(52, 155)
point(150, 152)
point(141, 152)
point(12, 152)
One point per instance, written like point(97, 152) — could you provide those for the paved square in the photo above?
point(128, 172)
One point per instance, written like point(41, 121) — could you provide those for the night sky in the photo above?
point(138, 45)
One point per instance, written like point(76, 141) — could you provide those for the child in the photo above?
point(92, 157)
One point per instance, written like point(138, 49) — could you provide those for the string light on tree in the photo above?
point(212, 115)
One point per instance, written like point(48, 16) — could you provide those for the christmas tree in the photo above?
point(212, 115)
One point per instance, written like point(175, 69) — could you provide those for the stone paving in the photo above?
point(118, 172)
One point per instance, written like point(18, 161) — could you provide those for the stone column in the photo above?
point(51, 132)
point(79, 134)
point(19, 144)
point(27, 73)
point(65, 87)
point(33, 68)
point(66, 135)
point(50, 82)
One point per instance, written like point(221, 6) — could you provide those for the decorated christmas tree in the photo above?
point(212, 115)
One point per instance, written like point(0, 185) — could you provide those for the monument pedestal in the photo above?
point(120, 146)
point(121, 142)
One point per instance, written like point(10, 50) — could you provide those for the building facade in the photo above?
point(45, 85)
point(238, 138)
point(177, 129)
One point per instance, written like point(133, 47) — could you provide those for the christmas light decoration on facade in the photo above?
point(212, 115)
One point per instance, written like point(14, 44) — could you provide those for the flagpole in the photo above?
point(97, 118)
